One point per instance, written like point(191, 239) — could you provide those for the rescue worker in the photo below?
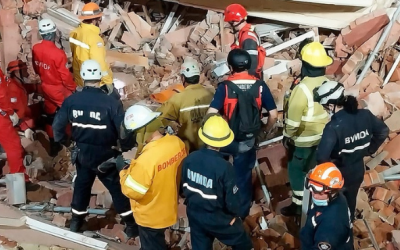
point(184, 111)
point(247, 39)
point(9, 138)
point(328, 224)
point(86, 43)
point(351, 135)
point(96, 118)
point(50, 63)
point(17, 71)
point(211, 195)
point(151, 181)
point(226, 101)
point(304, 122)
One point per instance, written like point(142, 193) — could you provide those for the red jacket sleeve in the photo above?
point(66, 76)
point(5, 103)
point(35, 68)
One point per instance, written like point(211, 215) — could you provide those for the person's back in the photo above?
point(160, 160)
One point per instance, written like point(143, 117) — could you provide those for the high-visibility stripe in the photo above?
point(315, 118)
point(308, 138)
point(81, 125)
point(297, 201)
point(205, 196)
point(90, 12)
point(252, 52)
point(354, 149)
point(292, 123)
point(104, 73)
point(298, 193)
point(243, 81)
point(313, 221)
point(135, 186)
point(310, 99)
point(79, 43)
point(77, 212)
point(255, 36)
point(194, 107)
point(126, 213)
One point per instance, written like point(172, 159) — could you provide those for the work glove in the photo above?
point(14, 119)
point(121, 163)
point(174, 126)
point(107, 165)
point(29, 134)
point(287, 142)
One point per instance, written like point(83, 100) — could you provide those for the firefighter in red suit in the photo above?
point(9, 138)
point(17, 71)
point(247, 39)
point(51, 64)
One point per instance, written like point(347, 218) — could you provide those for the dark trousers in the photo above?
point(203, 231)
point(351, 192)
point(243, 163)
point(152, 239)
point(86, 174)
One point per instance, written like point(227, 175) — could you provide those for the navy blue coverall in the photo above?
point(346, 140)
point(328, 227)
point(95, 118)
point(208, 184)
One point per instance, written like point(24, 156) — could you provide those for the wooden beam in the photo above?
point(166, 26)
point(113, 34)
point(128, 24)
point(146, 14)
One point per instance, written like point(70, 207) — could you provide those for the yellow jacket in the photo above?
point(86, 43)
point(144, 133)
point(305, 119)
point(188, 109)
point(151, 182)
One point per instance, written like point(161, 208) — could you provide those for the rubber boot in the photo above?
point(55, 147)
point(76, 222)
point(131, 228)
point(291, 210)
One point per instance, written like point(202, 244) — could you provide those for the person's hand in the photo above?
point(175, 126)
point(287, 142)
point(14, 119)
point(120, 162)
point(29, 134)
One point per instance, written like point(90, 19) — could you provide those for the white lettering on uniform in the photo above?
point(199, 179)
point(42, 65)
point(356, 137)
point(76, 113)
point(95, 115)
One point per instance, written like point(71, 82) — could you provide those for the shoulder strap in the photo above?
point(233, 86)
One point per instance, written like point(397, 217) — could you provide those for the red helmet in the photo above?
point(235, 13)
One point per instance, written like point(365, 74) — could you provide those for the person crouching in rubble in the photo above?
point(328, 225)
point(351, 135)
point(184, 111)
point(213, 205)
point(151, 180)
point(96, 118)
point(50, 63)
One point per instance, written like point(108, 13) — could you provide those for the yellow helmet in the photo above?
point(314, 53)
point(215, 132)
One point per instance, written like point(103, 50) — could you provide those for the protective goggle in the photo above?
point(316, 187)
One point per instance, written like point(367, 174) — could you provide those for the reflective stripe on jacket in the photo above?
point(305, 119)
point(151, 182)
point(86, 44)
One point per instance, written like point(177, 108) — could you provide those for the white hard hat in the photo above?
point(138, 116)
point(190, 68)
point(90, 70)
point(329, 93)
point(47, 26)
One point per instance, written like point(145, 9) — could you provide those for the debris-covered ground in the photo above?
point(145, 46)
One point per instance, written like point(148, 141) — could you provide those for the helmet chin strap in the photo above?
point(235, 26)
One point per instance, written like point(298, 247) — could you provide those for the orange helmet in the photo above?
point(324, 177)
point(235, 13)
point(15, 65)
point(90, 11)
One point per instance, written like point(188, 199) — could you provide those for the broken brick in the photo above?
point(59, 220)
point(65, 199)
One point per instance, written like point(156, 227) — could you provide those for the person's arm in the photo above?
point(326, 145)
point(380, 132)
point(136, 180)
point(217, 103)
point(251, 46)
point(60, 122)
point(231, 192)
point(35, 67)
point(170, 112)
point(297, 105)
point(330, 234)
point(269, 104)
point(98, 52)
point(62, 69)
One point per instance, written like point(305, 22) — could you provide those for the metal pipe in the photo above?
point(391, 171)
point(392, 69)
point(378, 45)
point(392, 177)
point(289, 43)
point(60, 209)
point(266, 143)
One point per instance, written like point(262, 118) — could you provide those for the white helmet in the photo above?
point(138, 116)
point(47, 26)
point(190, 68)
point(330, 92)
point(90, 70)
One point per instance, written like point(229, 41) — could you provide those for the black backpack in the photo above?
point(245, 121)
